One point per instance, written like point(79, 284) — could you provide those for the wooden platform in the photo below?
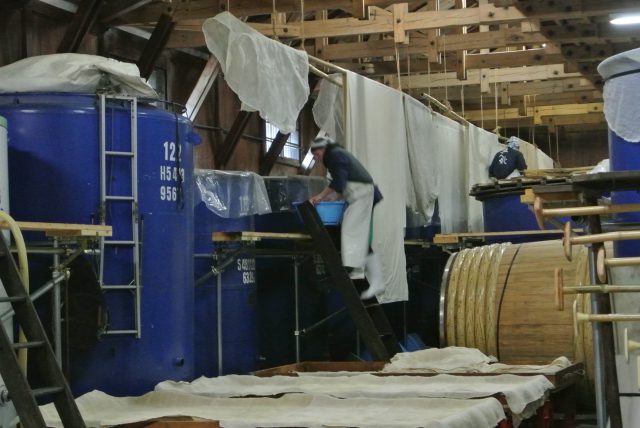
point(455, 238)
point(256, 236)
point(63, 229)
point(561, 379)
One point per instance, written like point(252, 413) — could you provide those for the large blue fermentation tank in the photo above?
point(54, 163)
point(621, 95)
point(238, 300)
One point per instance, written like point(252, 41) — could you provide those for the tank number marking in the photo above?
point(170, 151)
point(171, 173)
point(248, 269)
point(168, 193)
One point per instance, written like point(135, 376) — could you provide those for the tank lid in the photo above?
point(3, 122)
point(621, 64)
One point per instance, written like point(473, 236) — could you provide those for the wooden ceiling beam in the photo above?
point(514, 74)
point(203, 9)
point(537, 113)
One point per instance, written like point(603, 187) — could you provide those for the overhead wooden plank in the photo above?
point(202, 9)
point(270, 158)
point(202, 87)
point(80, 24)
point(536, 112)
point(519, 58)
point(118, 8)
point(155, 45)
point(60, 229)
point(515, 74)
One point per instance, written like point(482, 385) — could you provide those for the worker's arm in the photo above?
point(322, 195)
point(521, 164)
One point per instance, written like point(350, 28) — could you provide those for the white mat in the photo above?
point(296, 410)
point(464, 360)
point(519, 391)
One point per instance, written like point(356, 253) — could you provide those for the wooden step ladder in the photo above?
point(369, 317)
point(23, 397)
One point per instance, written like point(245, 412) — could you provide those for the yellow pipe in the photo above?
point(24, 273)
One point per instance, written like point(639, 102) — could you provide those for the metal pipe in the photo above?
point(56, 302)
point(297, 308)
point(36, 295)
point(601, 404)
point(219, 292)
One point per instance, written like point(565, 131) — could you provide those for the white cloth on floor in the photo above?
point(71, 72)
point(519, 391)
point(377, 137)
point(356, 224)
point(291, 410)
point(455, 359)
point(267, 76)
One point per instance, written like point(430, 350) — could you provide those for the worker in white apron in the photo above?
point(354, 183)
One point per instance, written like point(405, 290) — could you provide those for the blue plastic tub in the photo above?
point(331, 212)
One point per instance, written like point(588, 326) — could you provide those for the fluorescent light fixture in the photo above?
point(625, 19)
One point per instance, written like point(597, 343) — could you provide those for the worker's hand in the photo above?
point(315, 199)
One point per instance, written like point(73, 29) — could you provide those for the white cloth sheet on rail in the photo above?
point(454, 359)
point(267, 76)
point(74, 73)
point(291, 410)
point(523, 394)
point(377, 137)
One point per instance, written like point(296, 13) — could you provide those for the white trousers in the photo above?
point(356, 224)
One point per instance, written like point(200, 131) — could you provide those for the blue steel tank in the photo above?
point(238, 294)
point(503, 212)
point(54, 158)
point(622, 76)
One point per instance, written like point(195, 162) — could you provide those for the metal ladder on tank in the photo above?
point(135, 285)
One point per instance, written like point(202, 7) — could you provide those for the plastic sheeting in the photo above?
point(285, 191)
point(377, 137)
point(291, 410)
point(621, 107)
point(74, 73)
point(523, 394)
point(267, 76)
point(232, 194)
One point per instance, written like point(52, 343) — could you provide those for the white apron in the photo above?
point(356, 224)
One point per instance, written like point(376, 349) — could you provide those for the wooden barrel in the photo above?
point(501, 299)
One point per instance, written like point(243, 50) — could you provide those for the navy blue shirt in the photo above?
point(344, 167)
point(505, 162)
